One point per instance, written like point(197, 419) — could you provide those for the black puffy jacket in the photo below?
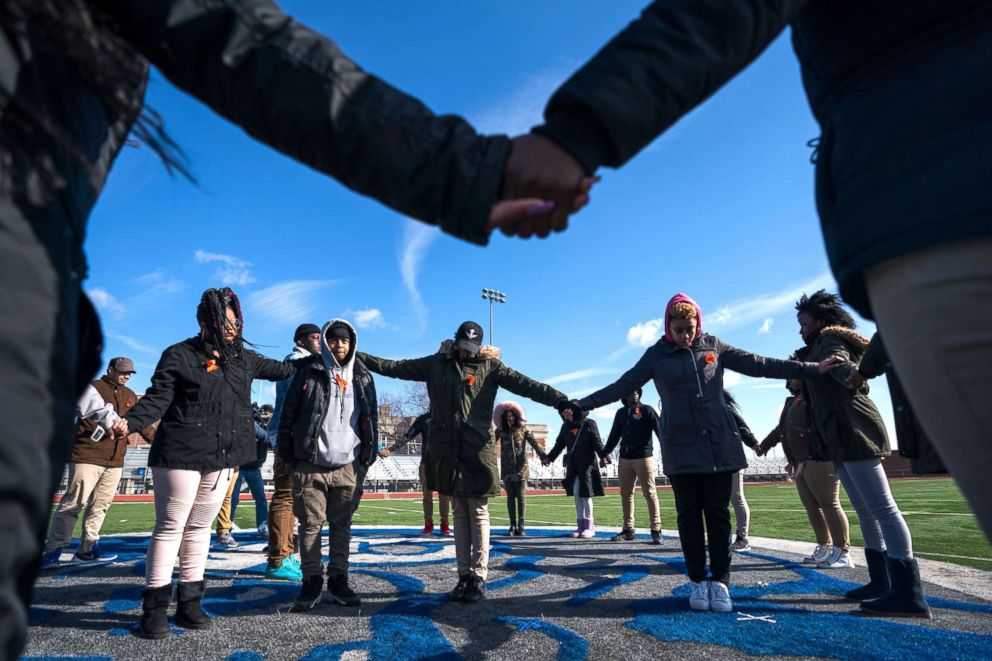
point(206, 415)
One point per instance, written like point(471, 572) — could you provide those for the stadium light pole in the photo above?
point(492, 296)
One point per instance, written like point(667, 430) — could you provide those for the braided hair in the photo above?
point(826, 308)
point(211, 313)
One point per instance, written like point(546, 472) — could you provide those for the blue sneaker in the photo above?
point(94, 555)
point(50, 559)
point(288, 570)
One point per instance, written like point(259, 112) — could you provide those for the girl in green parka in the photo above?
point(849, 431)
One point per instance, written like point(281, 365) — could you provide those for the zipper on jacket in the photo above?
point(695, 368)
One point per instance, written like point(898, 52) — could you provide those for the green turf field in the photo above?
point(942, 525)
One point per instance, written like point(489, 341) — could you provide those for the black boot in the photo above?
point(520, 529)
point(154, 622)
point(878, 578)
point(189, 613)
point(905, 599)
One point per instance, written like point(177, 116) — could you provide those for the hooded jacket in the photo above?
point(513, 442)
point(205, 407)
point(632, 429)
point(461, 459)
point(582, 445)
point(847, 423)
point(698, 432)
point(330, 415)
point(793, 431)
point(272, 430)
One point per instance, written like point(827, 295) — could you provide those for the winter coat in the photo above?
point(698, 431)
point(109, 451)
point(632, 429)
point(462, 456)
point(913, 441)
point(898, 88)
point(793, 431)
point(513, 464)
point(272, 430)
point(583, 448)
point(848, 426)
point(422, 427)
point(746, 435)
point(261, 450)
point(205, 406)
point(308, 401)
point(284, 84)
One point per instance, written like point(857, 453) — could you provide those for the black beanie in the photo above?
point(339, 330)
point(303, 330)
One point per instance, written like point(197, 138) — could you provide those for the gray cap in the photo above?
point(122, 364)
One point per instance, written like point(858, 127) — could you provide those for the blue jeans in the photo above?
point(257, 488)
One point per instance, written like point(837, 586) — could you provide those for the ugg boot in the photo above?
point(154, 623)
point(878, 578)
point(189, 613)
point(579, 527)
point(589, 530)
point(428, 528)
point(905, 599)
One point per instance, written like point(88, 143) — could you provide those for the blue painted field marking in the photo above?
point(525, 568)
point(596, 589)
point(234, 598)
point(571, 646)
point(123, 599)
point(245, 655)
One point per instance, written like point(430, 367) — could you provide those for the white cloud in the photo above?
point(762, 306)
point(371, 318)
point(731, 379)
point(159, 283)
point(132, 343)
point(518, 111)
point(417, 240)
point(233, 272)
point(645, 333)
point(292, 302)
point(581, 374)
point(766, 326)
point(106, 302)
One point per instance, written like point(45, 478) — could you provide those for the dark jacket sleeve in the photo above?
point(414, 369)
point(771, 368)
point(294, 90)
point(273, 370)
point(875, 359)
point(665, 63)
point(290, 409)
point(630, 381)
point(157, 399)
point(776, 435)
point(527, 387)
point(533, 443)
point(560, 443)
point(614, 438)
point(747, 436)
point(594, 438)
point(655, 425)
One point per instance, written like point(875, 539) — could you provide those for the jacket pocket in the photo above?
point(198, 411)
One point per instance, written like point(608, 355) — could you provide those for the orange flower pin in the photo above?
point(710, 358)
point(211, 365)
point(637, 410)
point(471, 379)
point(342, 384)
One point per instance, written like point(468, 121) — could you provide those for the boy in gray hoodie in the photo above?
point(327, 440)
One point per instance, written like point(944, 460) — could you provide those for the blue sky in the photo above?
point(720, 207)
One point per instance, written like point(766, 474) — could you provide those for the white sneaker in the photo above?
point(838, 559)
point(699, 598)
point(720, 598)
point(820, 553)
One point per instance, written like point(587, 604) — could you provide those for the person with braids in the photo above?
point(201, 389)
point(848, 430)
point(73, 75)
point(700, 441)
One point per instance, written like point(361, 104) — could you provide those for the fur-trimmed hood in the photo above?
point(509, 406)
point(849, 335)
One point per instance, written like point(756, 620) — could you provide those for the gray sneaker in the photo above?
point(226, 542)
point(741, 544)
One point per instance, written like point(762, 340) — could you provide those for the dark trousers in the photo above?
point(699, 496)
point(516, 501)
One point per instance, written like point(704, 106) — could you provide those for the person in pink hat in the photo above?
point(513, 438)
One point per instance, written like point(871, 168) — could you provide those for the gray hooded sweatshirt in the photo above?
point(339, 439)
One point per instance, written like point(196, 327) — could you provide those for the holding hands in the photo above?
point(856, 379)
point(383, 453)
point(119, 429)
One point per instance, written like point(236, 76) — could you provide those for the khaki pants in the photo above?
point(641, 471)
point(280, 515)
point(472, 535)
point(428, 498)
point(819, 491)
point(92, 487)
point(321, 494)
point(934, 311)
point(224, 515)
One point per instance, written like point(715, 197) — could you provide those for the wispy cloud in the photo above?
point(233, 272)
point(581, 374)
point(106, 302)
point(159, 283)
point(132, 343)
point(766, 326)
point(738, 313)
point(516, 112)
point(369, 319)
point(292, 302)
point(417, 240)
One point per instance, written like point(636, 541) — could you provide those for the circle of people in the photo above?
point(324, 427)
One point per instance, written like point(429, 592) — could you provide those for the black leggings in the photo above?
point(516, 501)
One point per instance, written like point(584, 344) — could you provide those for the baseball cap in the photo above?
point(122, 364)
point(469, 337)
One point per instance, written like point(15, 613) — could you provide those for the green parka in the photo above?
point(847, 423)
point(461, 455)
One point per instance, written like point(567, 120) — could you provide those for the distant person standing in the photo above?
point(251, 474)
point(514, 437)
point(742, 512)
point(580, 441)
point(422, 427)
point(95, 470)
point(633, 427)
